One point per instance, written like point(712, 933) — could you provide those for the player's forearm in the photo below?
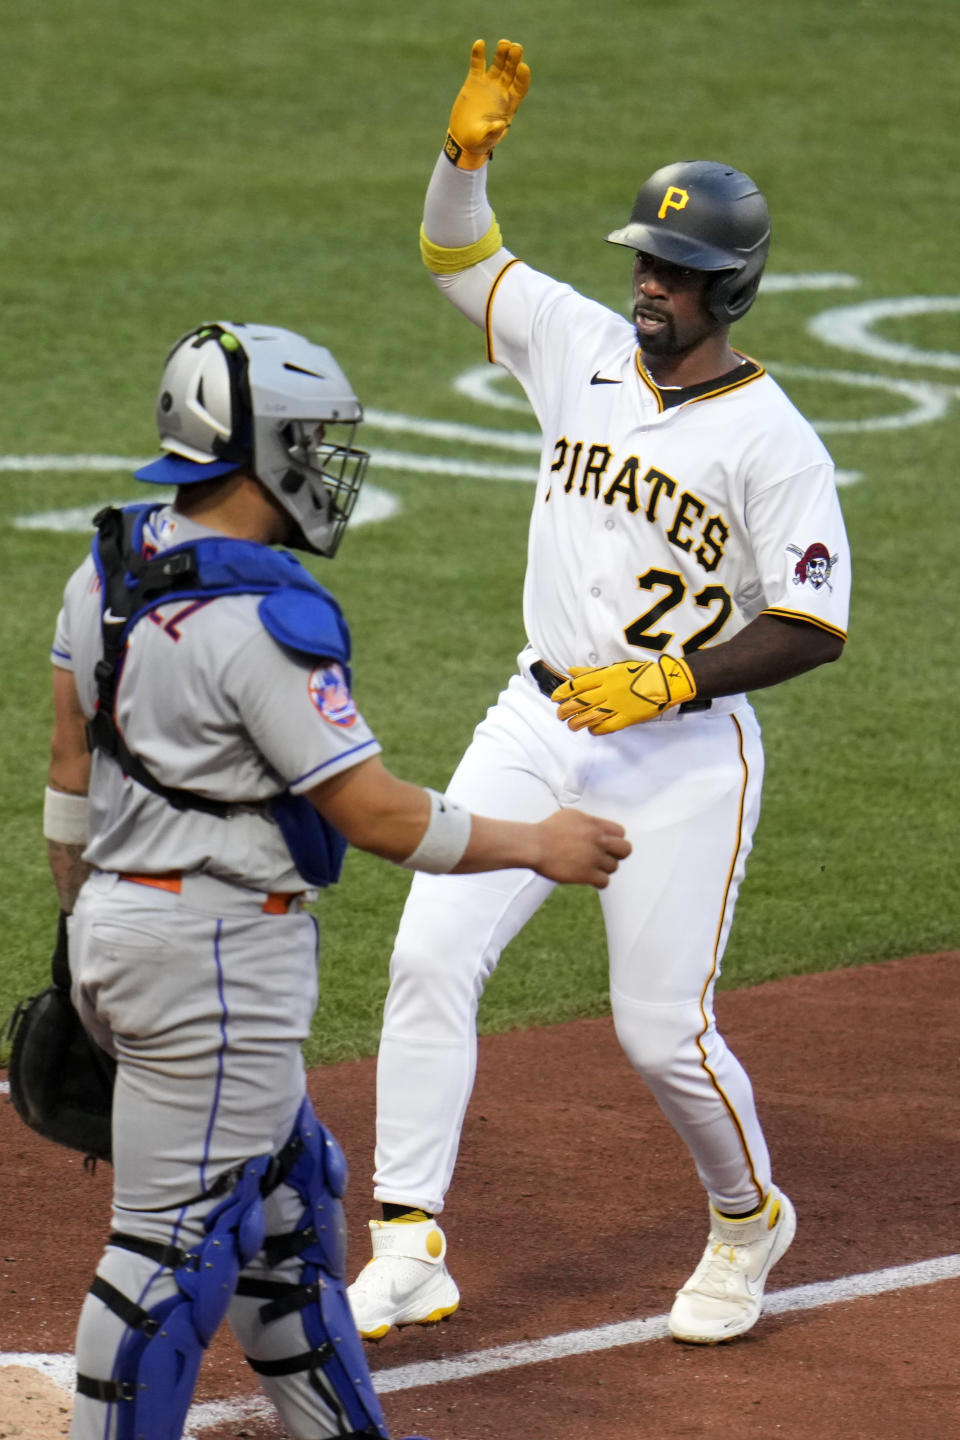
point(423, 830)
point(456, 211)
point(391, 818)
point(460, 240)
point(609, 698)
point(68, 871)
point(65, 827)
point(766, 652)
point(568, 846)
point(375, 810)
point(500, 845)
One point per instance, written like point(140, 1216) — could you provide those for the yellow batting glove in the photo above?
point(487, 103)
point(614, 696)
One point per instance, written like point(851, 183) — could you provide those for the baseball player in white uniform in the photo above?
point(686, 545)
point(230, 767)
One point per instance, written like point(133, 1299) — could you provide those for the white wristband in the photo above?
point(65, 817)
point(445, 838)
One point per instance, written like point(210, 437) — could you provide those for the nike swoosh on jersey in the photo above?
point(597, 379)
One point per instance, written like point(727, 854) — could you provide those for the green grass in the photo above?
point(164, 166)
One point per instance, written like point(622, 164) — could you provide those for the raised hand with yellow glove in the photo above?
point(612, 697)
point(486, 105)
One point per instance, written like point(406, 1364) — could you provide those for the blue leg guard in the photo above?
point(335, 1363)
point(159, 1357)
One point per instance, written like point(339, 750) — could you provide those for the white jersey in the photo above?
point(210, 703)
point(664, 521)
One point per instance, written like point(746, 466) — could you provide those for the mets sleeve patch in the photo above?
point(330, 694)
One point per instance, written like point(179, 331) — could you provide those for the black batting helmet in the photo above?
point(705, 216)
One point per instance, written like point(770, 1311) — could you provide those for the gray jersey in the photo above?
point(210, 703)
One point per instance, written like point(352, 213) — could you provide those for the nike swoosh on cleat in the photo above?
point(597, 379)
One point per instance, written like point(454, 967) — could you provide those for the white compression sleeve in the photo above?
point(460, 238)
point(456, 210)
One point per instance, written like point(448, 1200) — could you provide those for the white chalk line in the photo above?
point(846, 327)
point(638, 1332)
point(850, 327)
point(60, 1368)
point(373, 505)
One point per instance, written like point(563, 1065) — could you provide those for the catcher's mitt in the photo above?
point(61, 1081)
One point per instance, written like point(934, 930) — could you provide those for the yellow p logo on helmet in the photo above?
point(674, 199)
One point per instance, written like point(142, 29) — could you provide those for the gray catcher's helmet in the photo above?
point(260, 398)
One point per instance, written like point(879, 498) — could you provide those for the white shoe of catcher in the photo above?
point(406, 1282)
point(724, 1295)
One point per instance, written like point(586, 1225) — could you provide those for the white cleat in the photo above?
point(724, 1295)
point(406, 1282)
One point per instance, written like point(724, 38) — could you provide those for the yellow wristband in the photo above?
point(442, 260)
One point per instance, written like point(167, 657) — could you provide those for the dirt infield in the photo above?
point(575, 1207)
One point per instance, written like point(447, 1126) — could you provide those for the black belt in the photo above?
point(547, 681)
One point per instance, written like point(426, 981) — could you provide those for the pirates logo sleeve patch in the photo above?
point(814, 565)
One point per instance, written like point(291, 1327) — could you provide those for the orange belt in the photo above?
point(274, 904)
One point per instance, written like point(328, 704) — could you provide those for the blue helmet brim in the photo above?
point(178, 470)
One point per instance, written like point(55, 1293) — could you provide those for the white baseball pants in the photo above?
point(687, 791)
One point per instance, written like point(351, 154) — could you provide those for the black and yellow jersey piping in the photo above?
point(486, 319)
point(668, 399)
point(784, 614)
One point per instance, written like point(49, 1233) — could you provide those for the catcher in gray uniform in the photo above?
point(210, 676)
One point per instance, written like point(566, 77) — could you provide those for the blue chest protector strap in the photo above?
point(295, 609)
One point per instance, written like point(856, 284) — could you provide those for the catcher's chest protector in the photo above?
point(296, 610)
